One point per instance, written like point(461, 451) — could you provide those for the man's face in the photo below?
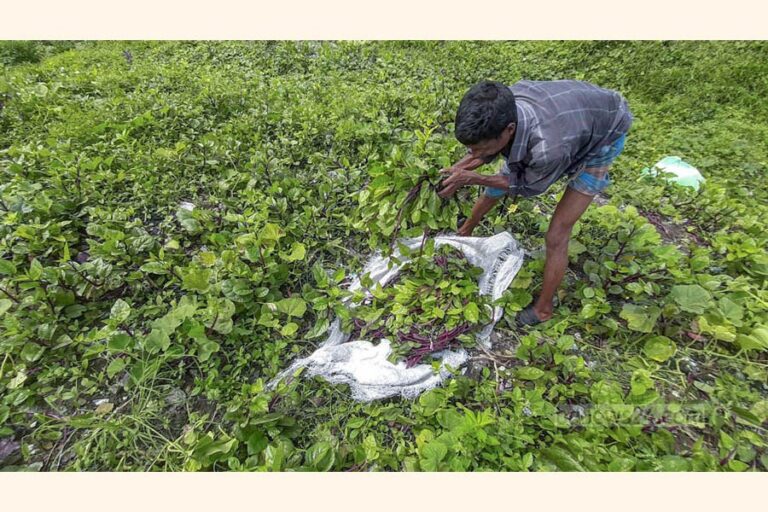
point(490, 147)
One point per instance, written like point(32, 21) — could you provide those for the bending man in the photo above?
point(544, 131)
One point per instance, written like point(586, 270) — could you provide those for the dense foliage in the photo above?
point(138, 332)
point(434, 305)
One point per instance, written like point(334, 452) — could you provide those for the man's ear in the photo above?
point(510, 129)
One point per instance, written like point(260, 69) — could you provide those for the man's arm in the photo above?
point(462, 177)
point(483, 205)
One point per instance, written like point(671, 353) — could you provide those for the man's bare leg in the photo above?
point(570, 208)
point(482, 206)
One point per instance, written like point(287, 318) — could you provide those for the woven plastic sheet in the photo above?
point(363, 364)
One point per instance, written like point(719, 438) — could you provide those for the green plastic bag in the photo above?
point(684, 174)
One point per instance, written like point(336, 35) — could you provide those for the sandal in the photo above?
point(527, 317)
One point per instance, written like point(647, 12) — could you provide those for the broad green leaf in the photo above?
point(7, 267)
point(154, 267)
point(115, 367)
point(293, 307)
point(562, 459)
point(188, 221)
point(207, 258)
point(32, 352)
point(691, 297)
point(119, 342)
point(641, 382)
point(529, 373)
point(431, 455)
point(720, 332)
point(120, 311)
point(621, 464)
point(197, 279)
point(297, 252)
point(256, 443)
point(289, 329)
point(733, 312)
point(35, 270)
point(673, 463)
point(320, 327)
point(640, 318)
point(659, 348)
point(320, 456)
point(5, 305)
point(157, 340)
point(471, 312)
point(760, 410)
point(755, 340)
point(270, 234)
point(206, 348)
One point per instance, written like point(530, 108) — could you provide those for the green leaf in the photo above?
point(472, 312)
point(5, 305)
point(720, 332)
point(621, 464)
point(120, 311)
point(529, 373)
point(431, 454)
point(691, 297)
point(659, 348)
point(297, 253)
point(157, 340)
point(32, 352)
point(293, 307)
point(320, 456)
point(640, 318)
point(154, 267)
point(737, 465)
point(207, 258)
point(562, 459)
point(35, 270)
point(673, 463)
point(270, 234)
point(119, 342)
point(289, 329)
point(256, 443)
point(196, 279)
point(7, 267)
point(731, 311)
point(641, 382)
point(115, 367)
point(206, 348)
point(756, 340)
point(188, 221)
point(320, 327)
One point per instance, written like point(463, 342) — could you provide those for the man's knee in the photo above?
point(557, 236)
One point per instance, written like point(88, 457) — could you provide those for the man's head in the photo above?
point(486, 119)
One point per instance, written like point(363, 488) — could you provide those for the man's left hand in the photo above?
point(456, 179)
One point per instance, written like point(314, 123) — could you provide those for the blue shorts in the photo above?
point(587, 180)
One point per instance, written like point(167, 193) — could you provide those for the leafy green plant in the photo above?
point(433, 305)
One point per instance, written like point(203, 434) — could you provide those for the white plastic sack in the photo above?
point(364, 365)
point(683, 173)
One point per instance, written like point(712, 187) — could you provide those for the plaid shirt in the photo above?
point(560, 125)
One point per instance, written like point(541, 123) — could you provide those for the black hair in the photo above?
point(485, 110)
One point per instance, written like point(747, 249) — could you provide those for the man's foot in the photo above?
point(533, 316)
point(528, 317)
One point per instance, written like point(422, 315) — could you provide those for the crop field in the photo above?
point(179, 221)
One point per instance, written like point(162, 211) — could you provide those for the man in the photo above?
point(545, 131)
